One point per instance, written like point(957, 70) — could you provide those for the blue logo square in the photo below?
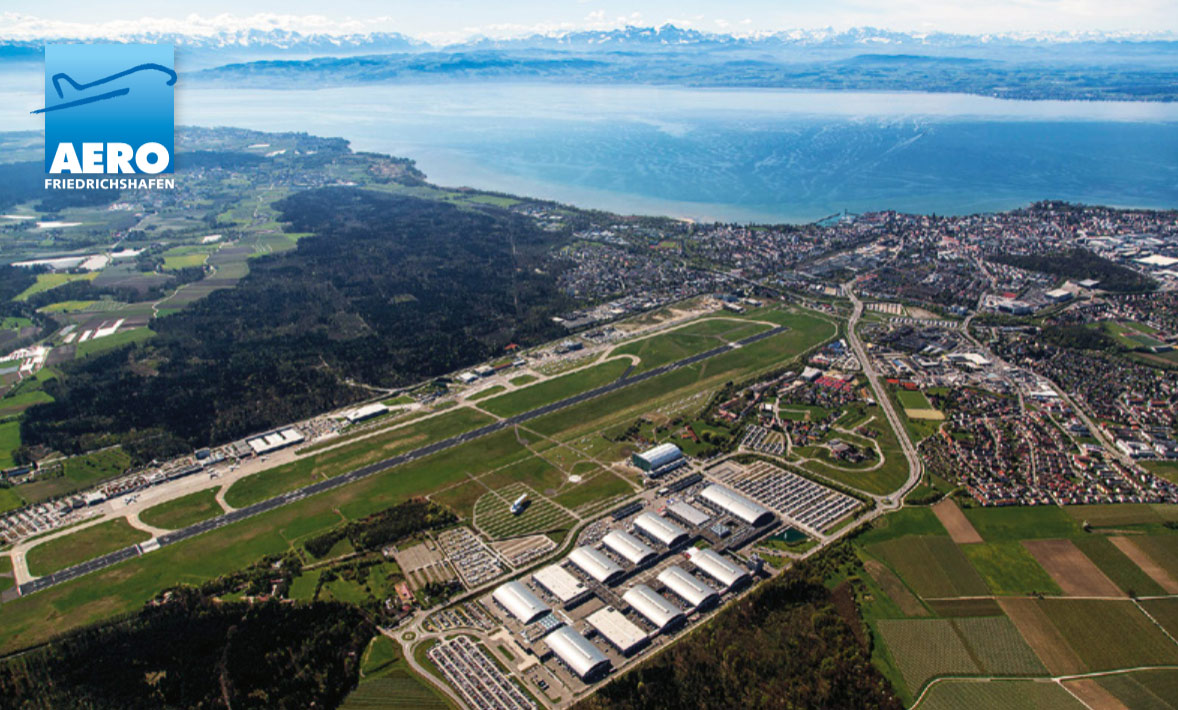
point(110, 108)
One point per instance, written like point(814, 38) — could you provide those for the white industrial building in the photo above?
point(368, 411)
point(624, 634)
point(716, 566)
point(519, 601)
point(658, 460)
point(660, 529)
point(582, 657)
point(653, 607)
point(688, 513)
point(736, 505)
point(556, 580)
point(630, 548)
point(687, 587)
point(276, 440)
point(595, 564)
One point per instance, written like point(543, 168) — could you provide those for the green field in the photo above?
point(1008, 568)
point(932, 566)
point(1106, 516)
point(387, 683)
point(1120, 569)
point(10, 500)
point(184, 511)
point(594, 491)
point(492, 514)
point(523, 380)
point(1144, 690)
point(1019, 523)
point(926, 648)
point(490, 391)
point(187, 256)
point(110, 342)
point(69, 550)
point(1110, 634)
point(998, 695)
point(9, 441)
point(1166, 469)
point(891, 474)
point(594, 415)
point(337, 461)
point(19, 402)
point(905, 521)
point(696, 337)
point(46, 282)
point(913, 399)
point(998, 647)
point(6, 580)
point(78, 472)
point(67, 306)
point(555, 389)
point(1165, 612)
point(1162, 549)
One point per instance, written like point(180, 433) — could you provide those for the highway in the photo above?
point(915, 467)
point(265, 506)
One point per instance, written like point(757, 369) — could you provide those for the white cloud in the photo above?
point(27, 27)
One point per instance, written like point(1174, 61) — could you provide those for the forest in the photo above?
point(390, 290)
point(1080, 264)
point(192, 652)
point(387, 526)
point(791, 643)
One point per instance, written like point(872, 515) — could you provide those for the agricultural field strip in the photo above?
point(240, 514)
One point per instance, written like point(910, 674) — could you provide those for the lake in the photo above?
point(741, 155)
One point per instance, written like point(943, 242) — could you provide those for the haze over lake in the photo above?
point(760, 155)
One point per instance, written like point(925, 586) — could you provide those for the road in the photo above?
point(915, 468)
point(276, 502)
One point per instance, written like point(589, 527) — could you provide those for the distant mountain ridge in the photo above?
point(1069, 66)
point(629, 37)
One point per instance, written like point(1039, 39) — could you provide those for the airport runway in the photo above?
point(240, 514)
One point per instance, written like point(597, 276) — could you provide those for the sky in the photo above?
point(441, 21)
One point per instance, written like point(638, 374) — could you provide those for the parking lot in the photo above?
point(476, 563)
point(797, 499)
point(469, 669)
